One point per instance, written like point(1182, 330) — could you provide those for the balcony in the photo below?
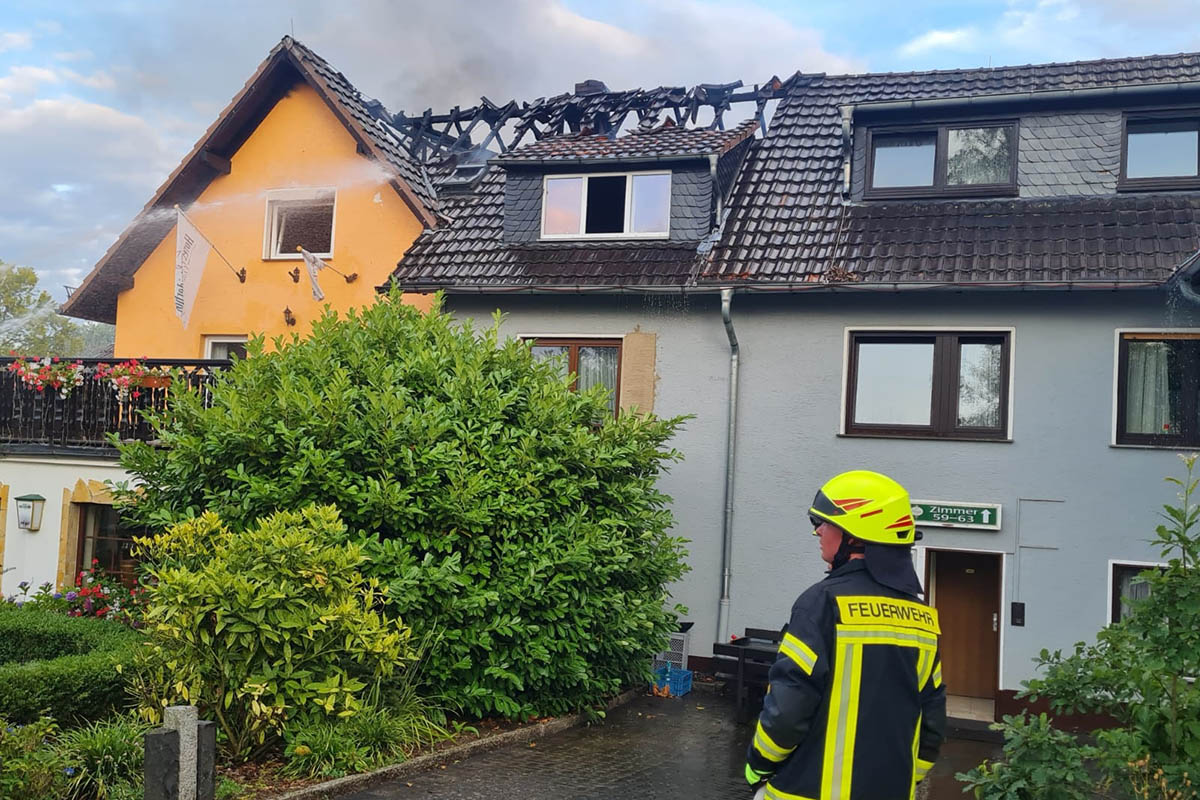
point(43, 422)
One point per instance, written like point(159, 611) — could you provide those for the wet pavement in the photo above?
point(670, 749)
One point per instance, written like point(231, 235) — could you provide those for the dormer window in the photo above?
point(1161, 153)
point(626, 205)
point(976, 159)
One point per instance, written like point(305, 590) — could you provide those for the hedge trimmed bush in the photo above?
point(504, 511)
point(84, 684)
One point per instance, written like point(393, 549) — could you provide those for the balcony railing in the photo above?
point(32, 420)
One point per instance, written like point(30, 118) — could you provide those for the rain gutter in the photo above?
point(858, 287)
point(730, 457)
point(1182, 280)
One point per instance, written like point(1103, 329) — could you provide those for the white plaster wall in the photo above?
point(33, 556)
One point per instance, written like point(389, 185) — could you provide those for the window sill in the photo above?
point(297, 257)
point(941, 193)
point(1159, 184)
point(1173, 448)
point(605, 237)
point(903, 437)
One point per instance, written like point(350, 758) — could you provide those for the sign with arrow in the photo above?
point(956, 514)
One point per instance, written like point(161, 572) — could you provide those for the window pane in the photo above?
point(978, 155)
point(980, 369)
point(606, 204)
point(1128, 589)
point(598, 366)
point(226, 349)
point(1152, 389)
point(307, 224)
point(904, 160)
point(651, 203)
point(895, 383)
point(1161, 150)
point(544, 353)
point(564, 197)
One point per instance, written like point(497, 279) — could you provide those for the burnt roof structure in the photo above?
point(790, 223)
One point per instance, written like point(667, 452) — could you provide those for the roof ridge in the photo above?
point(1125, 60)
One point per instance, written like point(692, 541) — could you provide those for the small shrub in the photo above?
point(30, 767)
point(323, 749)
point(1040, 763)
point(105, 755)
point(68, 668)
point(227, 789)
point(263, 627)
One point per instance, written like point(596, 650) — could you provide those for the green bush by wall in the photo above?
point(512, 518)
point(66, 667)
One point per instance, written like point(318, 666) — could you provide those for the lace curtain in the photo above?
point(1148, 392)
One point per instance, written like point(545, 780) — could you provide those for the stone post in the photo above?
point(181, 757)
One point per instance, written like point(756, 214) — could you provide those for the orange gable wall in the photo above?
point(300, 144)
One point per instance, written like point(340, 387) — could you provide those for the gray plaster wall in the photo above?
point(1069, 154)
point(1071, 500)
point(691, 204)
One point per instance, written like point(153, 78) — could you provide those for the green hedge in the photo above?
point(66, 667)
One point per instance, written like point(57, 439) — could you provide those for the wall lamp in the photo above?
point(29, 511)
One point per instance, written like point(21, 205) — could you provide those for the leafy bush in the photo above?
point(486, 496)
point(326, 747)
point(94, 594)
point(68, 668)
point(1040, 763)
point(29, 768)
point(104, 755)
point(323, 748)
point(1139, 671)
point(262, 627)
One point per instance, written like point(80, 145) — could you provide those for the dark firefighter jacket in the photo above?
point(855, 709)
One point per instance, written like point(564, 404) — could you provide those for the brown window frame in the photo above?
point(1127, 184)
point(573, 345)
point(86, 509)
point(1190, 402)
point(939, 188)
point(944, 391)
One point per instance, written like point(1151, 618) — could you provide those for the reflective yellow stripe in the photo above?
point(837, 766)
point(767, 748)
point(851, 733)
point(923, 768)
point(774, 794)
point(937, 675)
point(799, 652)
point(925, 666)
point(912, 792)
point(886, 635)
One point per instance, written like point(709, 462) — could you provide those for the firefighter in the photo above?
point(855, 707)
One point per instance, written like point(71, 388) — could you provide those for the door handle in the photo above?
point(995, 621)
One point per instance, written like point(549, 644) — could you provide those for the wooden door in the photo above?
point(966, 593)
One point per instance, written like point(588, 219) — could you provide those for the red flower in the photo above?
point(95, 561)
point(136, 393)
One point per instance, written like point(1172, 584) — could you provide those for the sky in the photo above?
point(100, 101)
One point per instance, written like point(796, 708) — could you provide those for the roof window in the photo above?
point(1161, 153)
point(607, 205)
point(977, 159)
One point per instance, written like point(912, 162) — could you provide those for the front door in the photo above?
point(966, 593)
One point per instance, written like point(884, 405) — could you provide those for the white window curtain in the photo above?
point(1148, 396)
point(1130, 590)
point(598, 366)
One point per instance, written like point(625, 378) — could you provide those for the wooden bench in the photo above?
point(747, 662)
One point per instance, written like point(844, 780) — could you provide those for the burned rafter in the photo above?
point(432, 138)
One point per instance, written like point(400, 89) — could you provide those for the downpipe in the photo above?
point(730, 453)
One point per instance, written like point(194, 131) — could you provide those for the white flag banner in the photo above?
point(191, 253)
point(315, 265)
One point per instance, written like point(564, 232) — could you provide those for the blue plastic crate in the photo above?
point(678, 681)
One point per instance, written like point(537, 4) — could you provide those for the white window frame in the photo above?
point(1116, 388)
point(270, 219)
point(586, 176)
point(209, 341)
point(1113, 563)
point(848, 337)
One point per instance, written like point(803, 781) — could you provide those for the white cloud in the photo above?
point(72, 55)
point(15, 40)
point(960, 40)
point(97, 80)
point(26, 80)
